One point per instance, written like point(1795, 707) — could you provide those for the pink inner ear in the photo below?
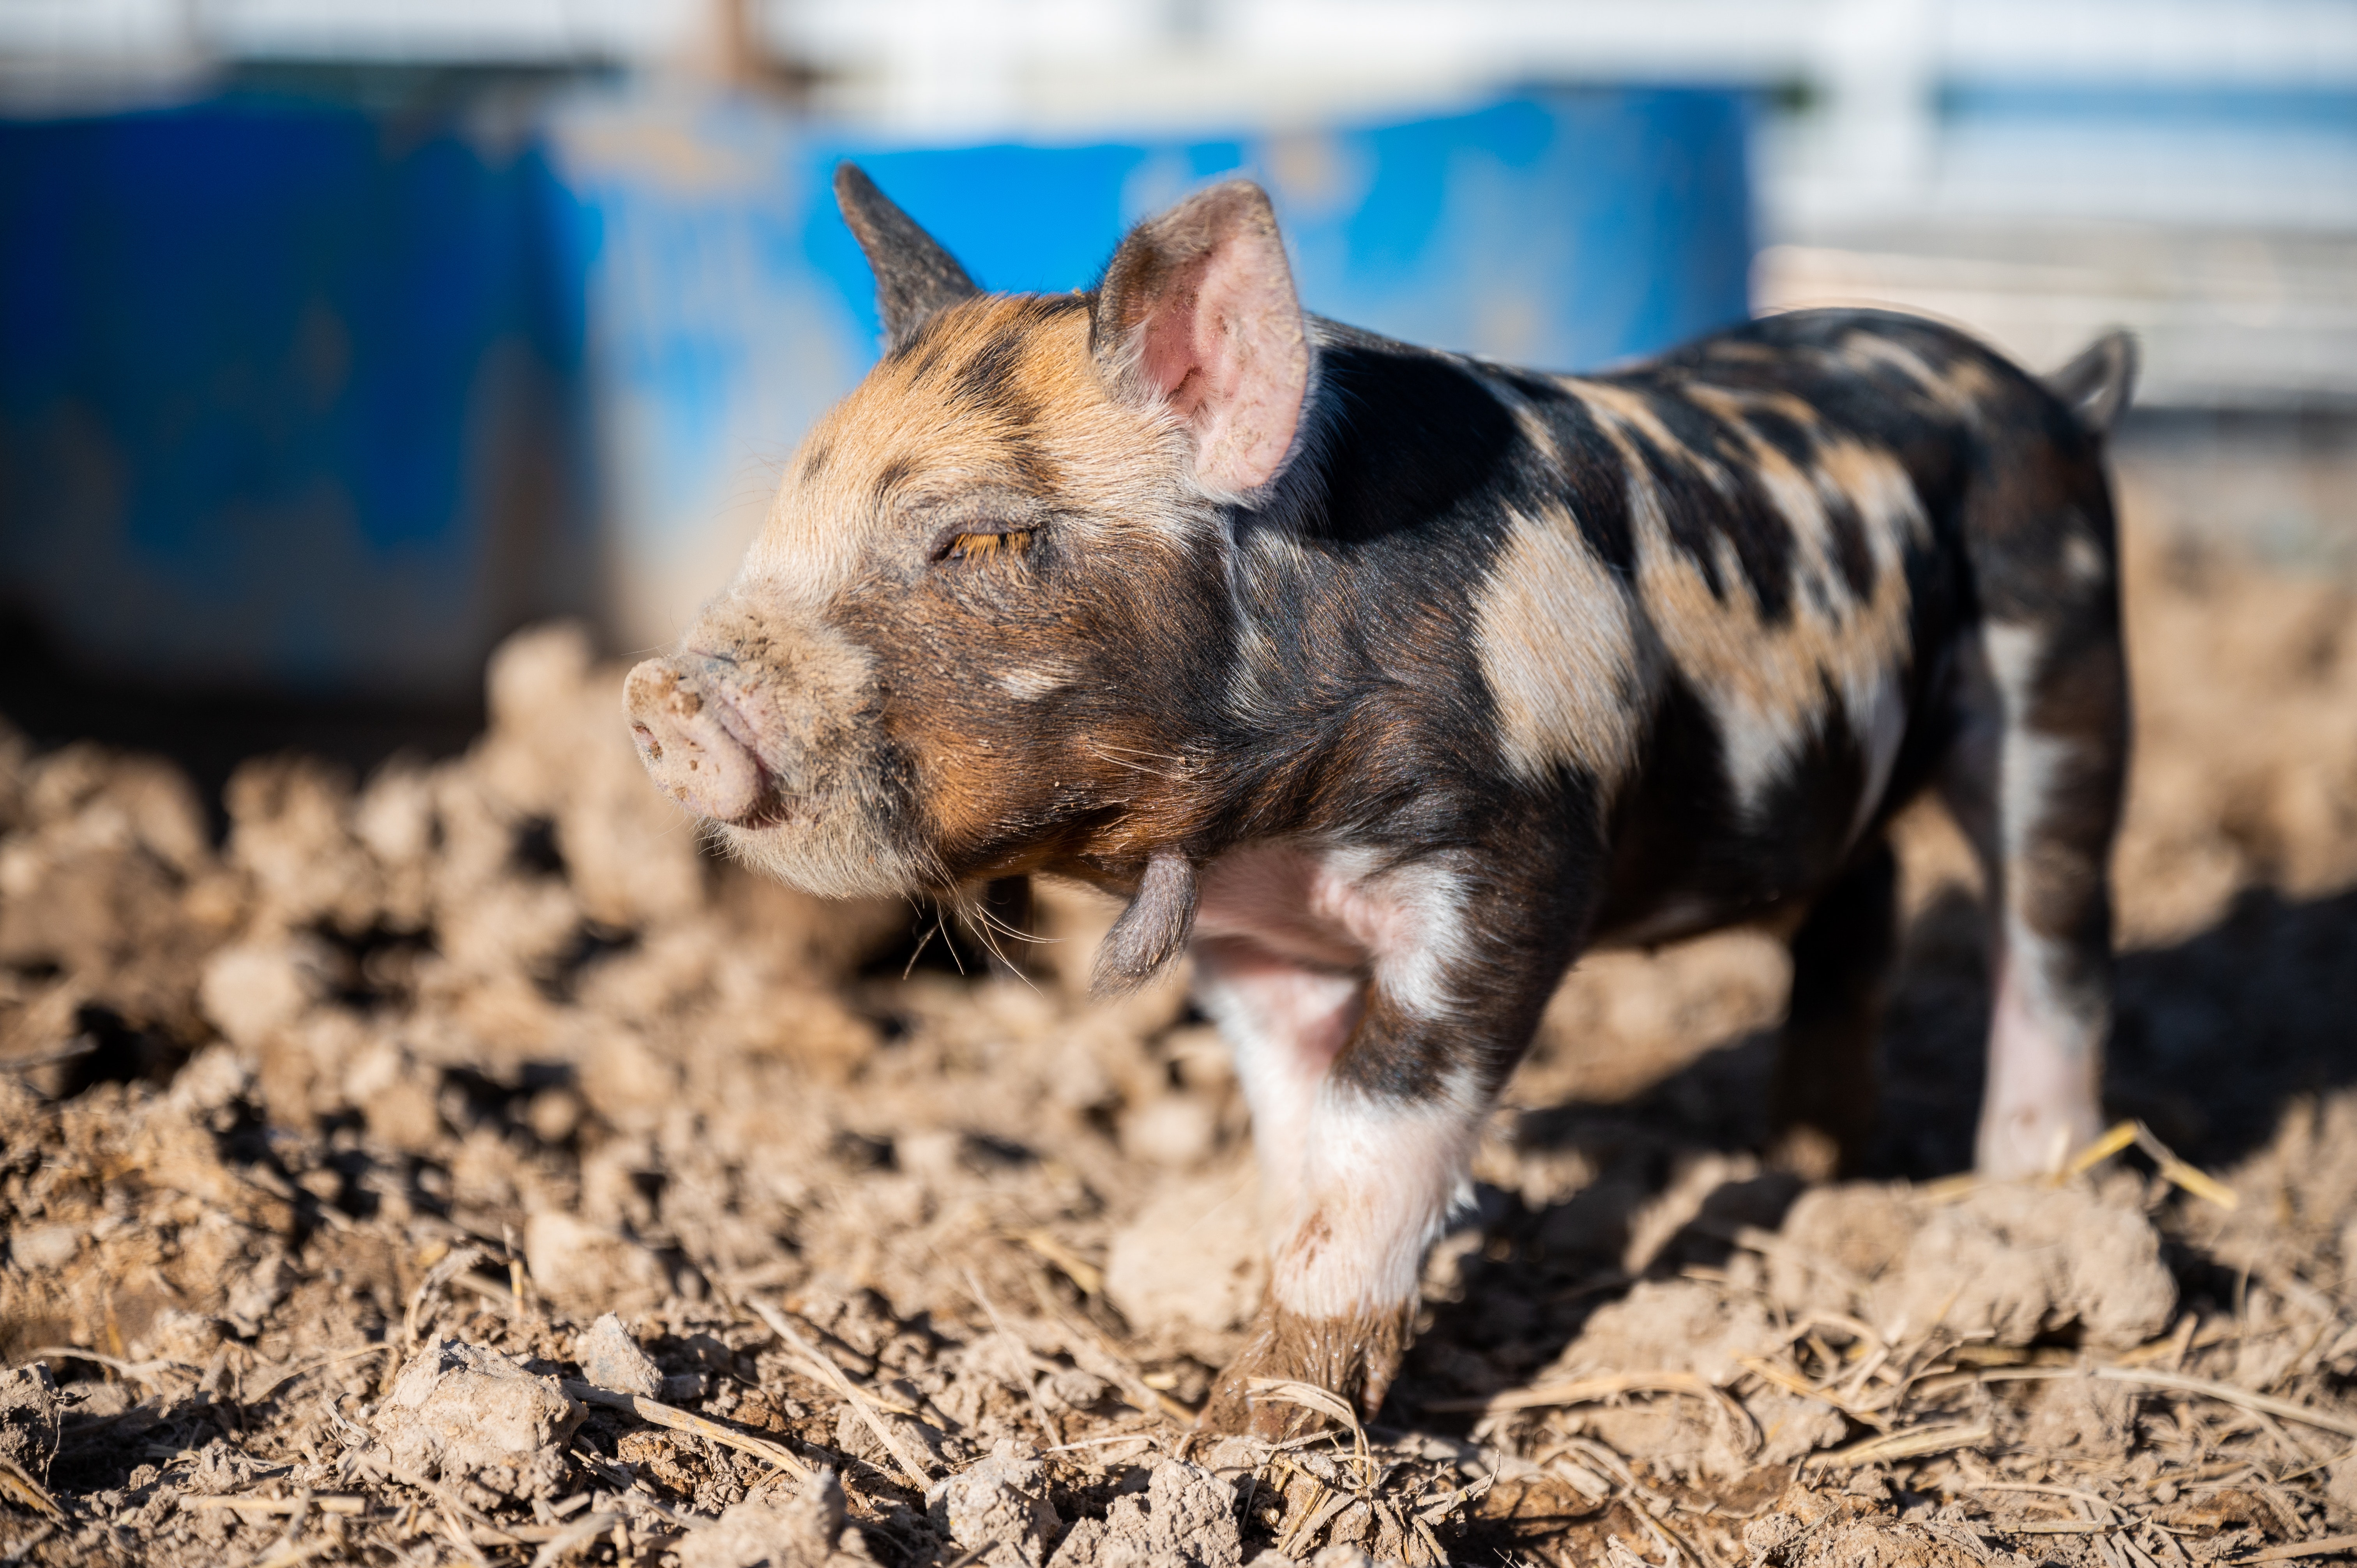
point(1172, 354)
point(1223, 344)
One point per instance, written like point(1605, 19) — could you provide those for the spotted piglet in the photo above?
point(1387, 682)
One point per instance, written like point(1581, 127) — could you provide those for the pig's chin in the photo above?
point(830, 854)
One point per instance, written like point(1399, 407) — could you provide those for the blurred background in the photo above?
point(340, 338)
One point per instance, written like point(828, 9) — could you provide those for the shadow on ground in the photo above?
point(2216, 1037)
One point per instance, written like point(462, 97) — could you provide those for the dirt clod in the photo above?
point(806, 1530)
point(28, 1419)
point(1000, 1508)
point(1185, 1516)
point(1192, 1259)
point(1841, 1529)
point(2015, 1261)
point(465, 1412)
point(585, 1266)
point(610, 1358)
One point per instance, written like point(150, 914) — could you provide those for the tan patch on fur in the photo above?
point(1768, 684)
point(1965, 390)
point(1535, 429)
point(1560, 654)
point(911, 435)
point(1619, 410)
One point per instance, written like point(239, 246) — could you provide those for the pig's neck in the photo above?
point(1356, 699)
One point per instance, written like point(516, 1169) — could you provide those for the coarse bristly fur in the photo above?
point(1386, 682)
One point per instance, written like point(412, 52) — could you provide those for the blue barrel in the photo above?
point(288, 399)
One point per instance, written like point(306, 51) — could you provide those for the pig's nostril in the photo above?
point(686, 738)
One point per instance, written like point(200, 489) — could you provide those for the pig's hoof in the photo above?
point(1351, 1358)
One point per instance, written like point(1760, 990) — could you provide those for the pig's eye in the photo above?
point(982, 547)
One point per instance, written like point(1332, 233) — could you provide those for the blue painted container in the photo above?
point(284, 398)
point(297, 398)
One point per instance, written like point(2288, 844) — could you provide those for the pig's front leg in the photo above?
point(1368, 1081)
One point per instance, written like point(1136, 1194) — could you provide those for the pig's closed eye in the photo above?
point(978, 548)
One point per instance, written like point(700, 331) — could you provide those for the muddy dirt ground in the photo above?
point(328, 1147)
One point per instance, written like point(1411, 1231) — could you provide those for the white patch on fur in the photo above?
point(2083, 560)
point(1285, 1024)
point(1560, 654)
point(1410, 918)
point(1346, 907)
point(1028, 685)
point(1288, 939)
point(2044, 1094)
point(2043, 1100)
point(1886, 728)
point(1758, 748)
point(2026, 761)
point(1378, 1182)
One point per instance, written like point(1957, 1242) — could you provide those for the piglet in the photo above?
point(1386, 682)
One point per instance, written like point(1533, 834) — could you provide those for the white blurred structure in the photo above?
point(2035, 168)
point(1873, 73)
point(2038, 169)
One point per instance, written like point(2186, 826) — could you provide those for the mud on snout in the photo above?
point(768, 726)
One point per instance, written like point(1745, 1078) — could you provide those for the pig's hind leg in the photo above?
point(2034, 778)
point(1822, 1103)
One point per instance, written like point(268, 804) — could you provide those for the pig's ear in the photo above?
point(1197, 311)
point(914, 276)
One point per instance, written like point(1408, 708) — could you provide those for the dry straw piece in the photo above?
point(2199, 1183)
point(918, 1475)
point(1325, 1403)
point(246, 1503)
point(1912, 1444)
point(699, 1425)
point(1591, 1391)
point(2301, 1551)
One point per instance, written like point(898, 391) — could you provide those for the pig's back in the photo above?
point(1787, 505)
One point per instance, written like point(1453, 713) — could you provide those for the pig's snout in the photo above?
point(679, 722)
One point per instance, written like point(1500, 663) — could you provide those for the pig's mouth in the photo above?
point(696, 744)
point(772, 736)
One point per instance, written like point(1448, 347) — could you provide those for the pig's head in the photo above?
point(984, 628)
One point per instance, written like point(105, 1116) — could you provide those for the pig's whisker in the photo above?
point(989, 939)
point(924, 943)
point(949, 943)
point(977, 917)
point(977, 911)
